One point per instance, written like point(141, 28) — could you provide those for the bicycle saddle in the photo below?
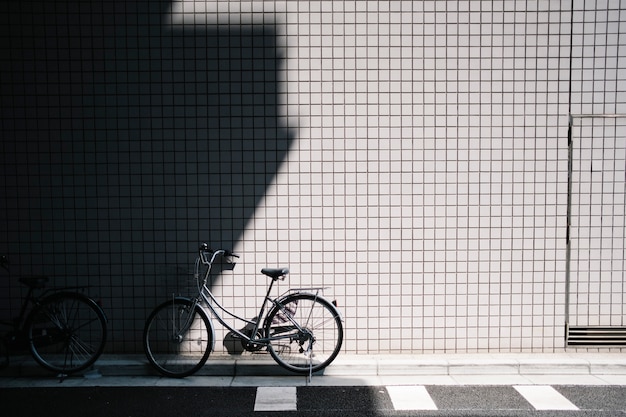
point(275, 273)
point(34, 281)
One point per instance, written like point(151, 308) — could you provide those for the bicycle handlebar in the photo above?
point(204, 250)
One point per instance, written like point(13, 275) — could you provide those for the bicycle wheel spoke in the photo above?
point(67, 333)
point(78, 347)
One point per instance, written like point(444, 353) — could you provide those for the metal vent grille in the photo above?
point(596, 336)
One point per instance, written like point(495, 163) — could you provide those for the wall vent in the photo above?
point(596, 336)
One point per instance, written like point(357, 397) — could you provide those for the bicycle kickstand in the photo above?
point(310, 377)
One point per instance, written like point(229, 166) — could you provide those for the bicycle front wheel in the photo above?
point(305, 333)
point(66, 332)
point(178, 338)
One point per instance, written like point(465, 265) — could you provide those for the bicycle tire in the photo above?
point(66, 332)
point(172, 351)
point(323, 332)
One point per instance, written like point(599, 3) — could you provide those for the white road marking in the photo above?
point(276, 399)
point(410, 397)
point(544, 397)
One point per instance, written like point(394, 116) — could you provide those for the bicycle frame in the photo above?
point(16, 322)
point(31, 301)
point(34, 300)
point(205, 295)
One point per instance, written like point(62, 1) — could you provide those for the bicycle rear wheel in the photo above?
point(178, 338)
point(315, 344)
point(66, 332)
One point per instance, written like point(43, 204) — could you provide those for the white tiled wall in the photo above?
point(425, 183)
point(427, 186)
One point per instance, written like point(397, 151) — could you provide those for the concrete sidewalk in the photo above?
point(439, 369)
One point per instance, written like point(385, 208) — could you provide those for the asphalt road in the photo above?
point(367, 401)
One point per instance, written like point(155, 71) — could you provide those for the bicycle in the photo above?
point(302, 330)
point(64, 330)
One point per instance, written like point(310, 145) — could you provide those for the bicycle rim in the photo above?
point(67, 332)
point(312, 349)
point(177, 340)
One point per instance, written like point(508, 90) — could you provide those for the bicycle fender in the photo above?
point(331, 303)
point(282, 298)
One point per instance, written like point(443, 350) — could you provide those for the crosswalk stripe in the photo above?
point(410, 397)
point(276, 399)
point(544, 397)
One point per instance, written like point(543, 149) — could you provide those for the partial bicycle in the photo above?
point(302, 330)
point(64, 330)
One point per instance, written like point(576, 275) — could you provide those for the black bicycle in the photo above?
point(64, 329)
point(302, 330)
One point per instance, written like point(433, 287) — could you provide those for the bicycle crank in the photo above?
point(251, 346)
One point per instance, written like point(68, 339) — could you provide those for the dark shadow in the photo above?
point(125, 143)
point(234, 345)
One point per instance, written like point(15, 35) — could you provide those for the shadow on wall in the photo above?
point(125, 143)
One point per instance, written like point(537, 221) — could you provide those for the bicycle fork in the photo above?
point(178, 330)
